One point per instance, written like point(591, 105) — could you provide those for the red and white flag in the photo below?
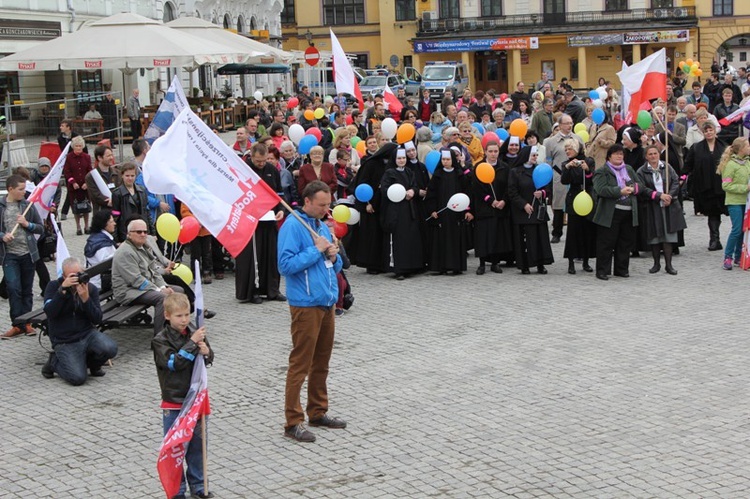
point(224, 194)
point(343, 74)
point(645, 80)
point(745, 258)
point(172, 452)
point(735, 116)
point(44, 194)
point(392, 103)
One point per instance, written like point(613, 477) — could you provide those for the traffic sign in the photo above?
point(312, 55)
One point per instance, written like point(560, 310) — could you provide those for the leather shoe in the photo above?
point(496, 268)
point(603, 277)
point(29, 331)
point(670, 270)
point(555, 240)
point(572, 270)
point(209, 314)
point(278, 297)
point(622, 275)
point(587, 268)
point(98, 372)
point(328, 422)
point(299, 433)
point(481, 270)
point(541, 270)
point(525, 271)
point(204, 495)
point(257, 300)
point(654, 269)
point(12, 333)
point(47, 371)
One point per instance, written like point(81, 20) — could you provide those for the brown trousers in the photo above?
point(312, 344)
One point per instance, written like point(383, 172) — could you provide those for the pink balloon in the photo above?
point(189, 229)
point(488, 136)
point(293, 102)
point(315, 131)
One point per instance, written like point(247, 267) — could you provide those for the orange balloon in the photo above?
point(518, 128)
point(689, 62)
point(698, 72)
point(361, 149)
point(485, 173)
point(405, 133)
point(697, 63)
point(309, 114)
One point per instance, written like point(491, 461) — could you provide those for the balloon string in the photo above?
point(532, 206)
point(439, 211)
point(493, 192)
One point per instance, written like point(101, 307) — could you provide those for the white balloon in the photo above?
point(258, 95)
point(388, 128)
point(598, 103)
point(458, 202)
point(296, 132)
point(603, 94)
point(397, 193)
point(353, 217)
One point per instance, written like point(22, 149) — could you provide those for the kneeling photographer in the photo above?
point(72, 307)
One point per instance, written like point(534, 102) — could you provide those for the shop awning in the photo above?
point(252, 69)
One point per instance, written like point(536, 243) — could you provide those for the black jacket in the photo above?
point(69, 318)
point(128, 206)
point(174, 354)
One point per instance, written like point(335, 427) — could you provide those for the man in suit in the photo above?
point(676, 130)
point(134, 113)
point(688, 119)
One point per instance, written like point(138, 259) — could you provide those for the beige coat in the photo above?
point(602, 139)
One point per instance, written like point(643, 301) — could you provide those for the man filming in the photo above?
point(72, 307)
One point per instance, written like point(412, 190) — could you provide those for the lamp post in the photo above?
point(309, 37)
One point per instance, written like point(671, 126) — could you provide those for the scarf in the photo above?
point(621, 173)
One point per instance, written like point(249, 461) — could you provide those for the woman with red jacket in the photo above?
point(77, 165)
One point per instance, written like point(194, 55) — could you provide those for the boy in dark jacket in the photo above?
point(175, 349)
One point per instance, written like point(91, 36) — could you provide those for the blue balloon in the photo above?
point(479, 128)
point(593, 94)
point(502, 134)
point(431, 161)
point(542, 175)
point(363, 192)
point(306, 143)
point(598, 116)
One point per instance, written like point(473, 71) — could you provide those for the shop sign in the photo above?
point(643, 37)
point(510, 43)
point(15, 29)
point(594, 40)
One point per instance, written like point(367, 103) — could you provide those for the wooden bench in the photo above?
point(114, 315)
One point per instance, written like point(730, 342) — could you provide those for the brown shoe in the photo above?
point(11, 333)
point(207, 278)
point(219, 276)
point(30, 331)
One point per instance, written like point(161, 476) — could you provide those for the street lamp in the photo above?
point(309, 37)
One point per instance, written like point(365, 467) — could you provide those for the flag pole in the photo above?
point(204, 448)
point(296, 215)
point(24, 215)
point(666, 153)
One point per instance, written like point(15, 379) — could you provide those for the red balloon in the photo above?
point(503, 97)
point(189, 229)
point(292, 103)
point(340, 229)
point(488, 136)
point(349, 119)
point(314, 131)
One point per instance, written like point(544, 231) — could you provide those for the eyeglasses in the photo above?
point(139, 231)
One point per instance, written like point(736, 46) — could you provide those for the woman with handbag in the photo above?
point(77, 165)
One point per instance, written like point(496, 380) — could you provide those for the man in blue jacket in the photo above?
point(310, 264)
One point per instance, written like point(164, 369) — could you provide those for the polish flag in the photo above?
point(625, 101)
point(645, 80)
point(392, 103)
point(735, 116)
point(343, 74)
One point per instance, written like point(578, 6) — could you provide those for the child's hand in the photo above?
point(203, 348)
point(199, 335)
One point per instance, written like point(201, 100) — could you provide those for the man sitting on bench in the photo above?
point(135, 278)
point(72, 307)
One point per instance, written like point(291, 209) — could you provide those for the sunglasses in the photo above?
point(139, 231)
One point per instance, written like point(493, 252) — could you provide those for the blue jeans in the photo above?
point(19, 279)
point(71, 360)
point(193, 453)
point(733, 248)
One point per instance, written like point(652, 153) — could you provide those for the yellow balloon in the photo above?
point(579, 127)
point(183, 272)
point(584, 135)
point(168, 227)
point(319, 113)
point(583, 204)
point(341, 214)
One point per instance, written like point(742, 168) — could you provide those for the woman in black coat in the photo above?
point(400, 220)
point(422, 178)
point(704, 184)
point(663, 211)
point(529, 214)
point(130, 200)
point(578, 173)
point(493, 236)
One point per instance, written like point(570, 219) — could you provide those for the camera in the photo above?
point(83, 277)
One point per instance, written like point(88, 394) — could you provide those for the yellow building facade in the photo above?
point(719, 23)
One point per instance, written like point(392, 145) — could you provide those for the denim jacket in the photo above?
point(35, 227)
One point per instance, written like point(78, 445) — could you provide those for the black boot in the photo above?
point(668, 259)
point(571, 267)
point(714, 243)
point(656, 251)
point(586, 266)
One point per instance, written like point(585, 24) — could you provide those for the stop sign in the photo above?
point(312, 55)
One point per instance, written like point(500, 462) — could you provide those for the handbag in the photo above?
point(83, 206)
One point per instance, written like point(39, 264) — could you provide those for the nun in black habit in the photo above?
point(422, 177)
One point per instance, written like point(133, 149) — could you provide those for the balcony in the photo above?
point(593, 20)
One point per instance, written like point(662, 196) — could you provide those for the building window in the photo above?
point(662, 4)
point(723, 7)
point(743, 56)
point(492, 8)
point(406, 10)
point(574, 69)
point(168, 14)
point(616, 5)
point(287, 13)
point(361, 60)
point(337, 12)
point(227, 21)
point(450, 9)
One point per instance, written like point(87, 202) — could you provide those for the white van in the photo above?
point(439, 76)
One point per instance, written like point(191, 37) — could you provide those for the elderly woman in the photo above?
point(664, 215)
point(77, 165)
point(498, 120)
point(471, 142)
point(317, 169)
point(577, 173)
point(616, 214)
point(424, 143)
point(602, 138)
point(704, 183)
point(437, 124)
point(695, 132)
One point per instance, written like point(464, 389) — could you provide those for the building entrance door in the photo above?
point(491, 71)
